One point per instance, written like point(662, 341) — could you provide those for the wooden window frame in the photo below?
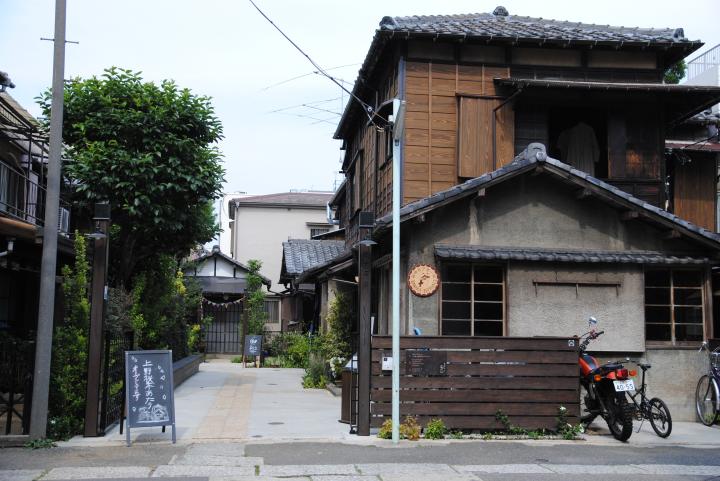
point(703, 288)
point(472, 319)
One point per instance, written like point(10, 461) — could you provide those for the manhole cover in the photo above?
point(541, 460)
point(275, 423)
point(257, 436)
point(272, 384)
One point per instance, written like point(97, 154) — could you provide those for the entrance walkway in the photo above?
point(226, 401)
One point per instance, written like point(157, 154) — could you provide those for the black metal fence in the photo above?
point(113, 384)
point(17, 359)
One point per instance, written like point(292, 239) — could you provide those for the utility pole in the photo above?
point(398, 128)
point(43, 345)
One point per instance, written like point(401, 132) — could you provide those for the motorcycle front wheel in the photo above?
point(660, 419)
point(619, 417)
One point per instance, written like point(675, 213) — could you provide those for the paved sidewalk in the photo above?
point(226, 401)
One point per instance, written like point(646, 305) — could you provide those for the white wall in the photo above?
point(260, 232)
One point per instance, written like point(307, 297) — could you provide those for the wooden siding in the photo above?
point(431, 136)
point(527, 379)
point(694, 191)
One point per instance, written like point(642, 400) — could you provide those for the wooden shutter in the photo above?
point(475, 148)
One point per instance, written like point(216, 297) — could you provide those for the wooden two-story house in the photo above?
point(535, 183)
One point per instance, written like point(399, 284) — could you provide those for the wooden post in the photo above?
point(364, 360)
point(101, 246)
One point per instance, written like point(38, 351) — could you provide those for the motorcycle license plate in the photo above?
point(622, 386)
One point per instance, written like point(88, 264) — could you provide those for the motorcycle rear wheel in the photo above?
point(660, 418)
point(619, 417)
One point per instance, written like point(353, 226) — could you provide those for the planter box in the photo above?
point(185, 368)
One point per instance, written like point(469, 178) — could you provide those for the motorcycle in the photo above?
point(605, 387)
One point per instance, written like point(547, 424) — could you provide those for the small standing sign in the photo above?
point(253, 346)
point(149, 395)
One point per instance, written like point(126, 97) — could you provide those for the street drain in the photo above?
point(275, 423)
point(272, 384)
point(541, 460)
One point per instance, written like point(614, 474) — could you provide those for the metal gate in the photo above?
point(16, 378)
point(223, 334)
point(113, 384)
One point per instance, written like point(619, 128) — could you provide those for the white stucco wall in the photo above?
point(260, 231)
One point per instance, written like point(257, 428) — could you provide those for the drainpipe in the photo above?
point(494, 124)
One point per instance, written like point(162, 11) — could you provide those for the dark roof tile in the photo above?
point(299, 255)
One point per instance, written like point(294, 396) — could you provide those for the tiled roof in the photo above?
point(318, 199)
point(484, 253)
point(490, 25)
point(534, 156)
point(300, 255)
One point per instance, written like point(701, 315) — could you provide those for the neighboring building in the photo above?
point(23, 172)
point(261, 223)
point(224, 284)
point(531, 241)
point(301, 256)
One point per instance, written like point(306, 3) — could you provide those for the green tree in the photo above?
point(150, 150)
point(255, 299)
point(675, 73)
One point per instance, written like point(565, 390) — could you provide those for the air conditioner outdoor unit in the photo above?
point(64, 221)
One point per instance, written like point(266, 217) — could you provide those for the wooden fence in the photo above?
point(466, 380)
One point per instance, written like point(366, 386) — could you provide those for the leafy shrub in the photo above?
point(68, 371)
point(410, 429)
point(564, 428)
point(315, 377)
point(435, 429)
point(236, 359)
point(291, 349)
point(385, 431)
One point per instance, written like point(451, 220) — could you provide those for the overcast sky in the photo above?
point(226, 50)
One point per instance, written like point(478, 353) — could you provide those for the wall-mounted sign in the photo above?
point(426, 363)
point(149, 395)
point(423, 280)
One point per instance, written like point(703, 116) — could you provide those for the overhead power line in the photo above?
point(367, 108)
point(314, 72)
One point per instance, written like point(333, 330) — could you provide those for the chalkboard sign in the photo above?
point(253, 345)
point(149, 390)
point(426, 363)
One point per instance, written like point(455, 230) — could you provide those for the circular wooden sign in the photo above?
point(423, 280)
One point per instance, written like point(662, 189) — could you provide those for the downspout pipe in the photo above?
point(494, 124)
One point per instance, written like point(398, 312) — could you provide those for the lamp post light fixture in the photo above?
point(100, 249)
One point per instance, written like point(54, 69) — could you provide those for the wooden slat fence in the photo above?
point(527, 379)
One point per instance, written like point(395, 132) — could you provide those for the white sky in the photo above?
point(225, 49)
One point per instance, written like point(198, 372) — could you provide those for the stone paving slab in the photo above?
point(502, 468)
point(217, 449)
point(19, 474)
point(406, 468)
point(593, 469)
point(308, 469)
point(105, 472)
point(210, 471)
point(254, 478)
point(421, 476)
point(332, 477)
point(206, 460)
point(679, 469)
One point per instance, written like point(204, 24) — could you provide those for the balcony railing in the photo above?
point(704, 62)
point(22, 197)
